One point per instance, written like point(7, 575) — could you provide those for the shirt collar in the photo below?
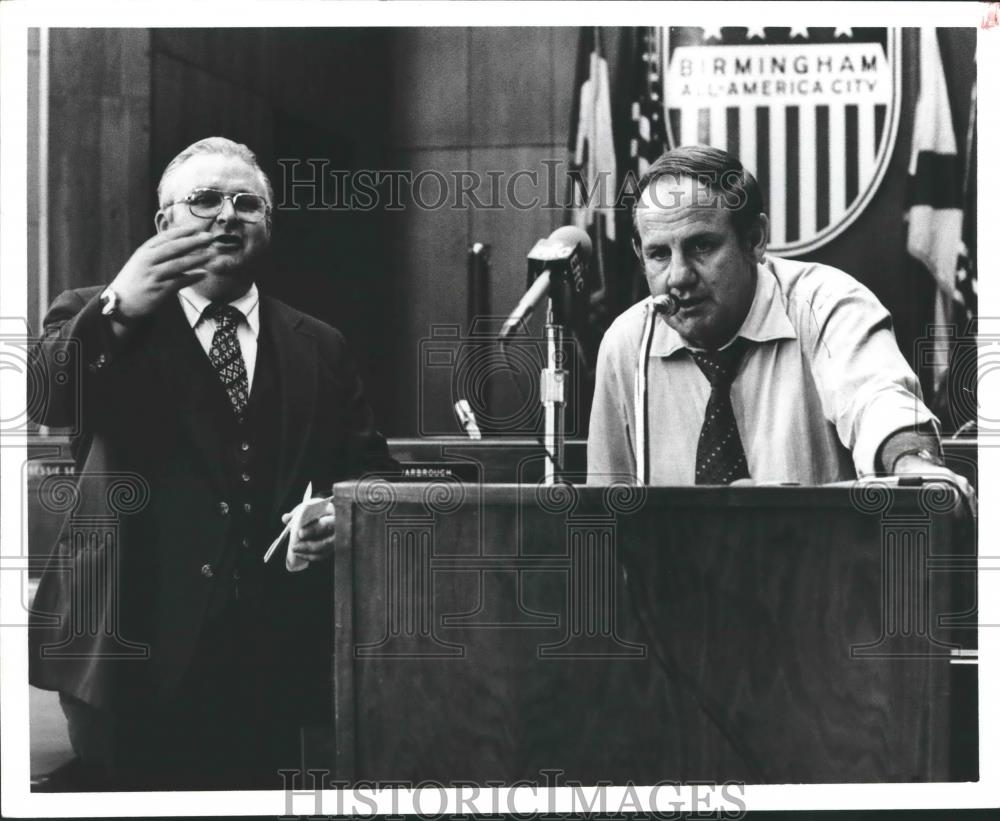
point(194, 305)
point(766, 319)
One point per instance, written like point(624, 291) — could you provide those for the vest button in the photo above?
point(223, 508)
point(245, 476)
point(247, 508)
point(244, 446)
point(207, 571)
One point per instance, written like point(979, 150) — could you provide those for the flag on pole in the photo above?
point(593, 169)
point(649, 129)
point(649, 133)
point(934, 201)
point(966, 286)
point(956, 403)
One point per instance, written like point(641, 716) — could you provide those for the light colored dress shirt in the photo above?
point(246, 332)
point(821, 387)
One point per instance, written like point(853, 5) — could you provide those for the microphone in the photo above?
point(666, 304)
point(467, 418)
point(564, 253)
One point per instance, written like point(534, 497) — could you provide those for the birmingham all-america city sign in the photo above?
point(811, 112)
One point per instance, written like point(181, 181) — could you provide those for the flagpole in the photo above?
point(969, 139)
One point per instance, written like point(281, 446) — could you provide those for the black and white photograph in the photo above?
point(437, 408)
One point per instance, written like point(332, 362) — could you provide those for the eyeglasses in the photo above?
point(206, 203)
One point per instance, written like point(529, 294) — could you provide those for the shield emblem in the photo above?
point(811, 112)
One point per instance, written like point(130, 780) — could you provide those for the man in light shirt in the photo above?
point(750, 367)
point(215, 406)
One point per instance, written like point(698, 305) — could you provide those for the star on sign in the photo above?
point(756, 31)
point(712, 33)
point(798, 31)
point(842, 32)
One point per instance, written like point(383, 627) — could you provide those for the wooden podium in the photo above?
point(505, 633)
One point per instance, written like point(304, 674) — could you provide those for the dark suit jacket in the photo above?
point(120, 608)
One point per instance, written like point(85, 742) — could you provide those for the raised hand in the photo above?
point(161, 266)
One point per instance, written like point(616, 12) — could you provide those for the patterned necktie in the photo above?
point(226, 355)
point(720, 458)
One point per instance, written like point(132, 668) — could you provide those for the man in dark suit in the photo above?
point(182, 659)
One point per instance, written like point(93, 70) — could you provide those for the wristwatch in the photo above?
point(111, 305)
point(922, 453)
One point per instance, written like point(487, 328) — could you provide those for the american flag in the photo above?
point(934, 196)
point(594, 181)
point(966, 286)
point(649, 134)
point(956, 402)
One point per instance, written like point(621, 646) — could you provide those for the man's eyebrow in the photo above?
point(222, 190)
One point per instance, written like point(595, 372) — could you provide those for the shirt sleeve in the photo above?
point(610, 454)
point(867, 389)
point(906, 441)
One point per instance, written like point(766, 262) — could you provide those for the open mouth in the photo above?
point(689, 303)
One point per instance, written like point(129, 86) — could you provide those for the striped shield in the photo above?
point(811, 112)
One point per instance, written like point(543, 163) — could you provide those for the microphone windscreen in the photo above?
point(665, 304)
point(571, 235)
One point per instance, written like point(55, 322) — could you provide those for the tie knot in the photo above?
point(226, 315)
point(720, 367)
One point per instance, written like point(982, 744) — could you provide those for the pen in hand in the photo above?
point(288, 525)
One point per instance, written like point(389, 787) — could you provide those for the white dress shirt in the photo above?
point(821, 387)
point(194, 306)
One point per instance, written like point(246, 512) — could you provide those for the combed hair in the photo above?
point(737, 188)
point(216, 145)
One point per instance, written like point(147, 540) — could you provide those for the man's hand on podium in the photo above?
point(912, 464)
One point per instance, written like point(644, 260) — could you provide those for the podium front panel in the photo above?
point(502, 634)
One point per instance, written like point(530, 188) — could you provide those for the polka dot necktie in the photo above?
point(226, 355)
point(720, 458)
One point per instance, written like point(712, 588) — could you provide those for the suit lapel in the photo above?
point(297, 364)
point(191, 384)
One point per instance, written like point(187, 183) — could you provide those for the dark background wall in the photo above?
point(481, 100)
point(123, 102)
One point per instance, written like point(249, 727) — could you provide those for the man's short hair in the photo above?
point(737, 188)
point(224, 147)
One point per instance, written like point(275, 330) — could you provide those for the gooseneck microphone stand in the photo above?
point(558, 264)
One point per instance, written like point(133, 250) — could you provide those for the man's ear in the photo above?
point(161, 222)
point(757, 237)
